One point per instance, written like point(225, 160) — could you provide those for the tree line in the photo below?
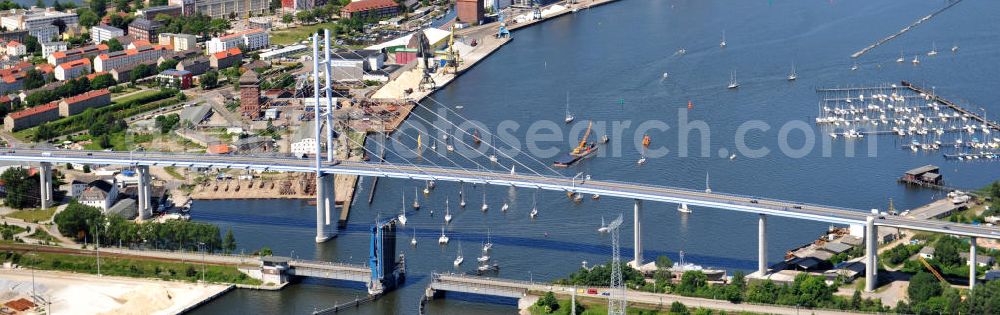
point(83, 222)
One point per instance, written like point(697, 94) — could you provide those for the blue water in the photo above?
point(610, 60)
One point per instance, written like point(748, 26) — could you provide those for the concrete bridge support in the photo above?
point(762, 245)
point(325, 199)
point(972, 263)
point(638, 234)
point(45, 181)
point(871, 247)
point(144, 192)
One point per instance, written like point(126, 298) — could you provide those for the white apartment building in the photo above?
point(44, 33)
point(102, 33)
point(72, 70)
point(250, 40)
point(16, 49)
point(48, 48)
point(128, 57)
point(33, 20)
point(180, 42)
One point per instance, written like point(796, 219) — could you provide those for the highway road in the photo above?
point(749, 204)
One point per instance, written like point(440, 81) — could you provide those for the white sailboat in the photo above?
point(427, 188)
point(642, 157)
point(603, 228)
point(534, 205)
point(416, 199)
point(485, 206)
point(402, 211)
point(443, 240)
point(915, 60)
point(413, 239)
point(448, 146)
point(722, 44)
point(447, 213)
point(459, 259)
point(461, 196)
point(933, 51)
point(732, 81)
point(505, 206)
point(954, 48)
point(569, 117)
point(485, 256)
point(489, 241)
point(708, 189)
point(493, 156)
point(855, 66)
point(792, 76)
point(901, 59)
point(683, 208)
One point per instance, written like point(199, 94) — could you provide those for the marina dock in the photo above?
point(928, 121)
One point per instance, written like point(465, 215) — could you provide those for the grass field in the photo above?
point(33, 215)
point(139, 268)
point(173, 172)
point(298, 34)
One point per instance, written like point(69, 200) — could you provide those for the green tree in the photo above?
point(76, 220)
point(167, 64)
point(87, 17)
point(287, 18)
point(86, 168)
point(691, 281)
point(923, 286)
point(548, 302)
point(678, 308)
point(265, 251)
point(664, 262)
point(946, 251)
point(40, 3)
point(229, 242)
point(210, 79)
point(33, 79)
point(99, 7)
point(18, 185)
point(102, 81)
point(114, 45)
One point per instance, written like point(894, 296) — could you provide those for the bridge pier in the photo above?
point(972, 263)
point(762, 245)
point(143, 191)
point(871, 242)
point(45, 181)
point(324, 201)
point(638, 234)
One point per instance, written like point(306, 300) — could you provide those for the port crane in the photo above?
point(583, 148)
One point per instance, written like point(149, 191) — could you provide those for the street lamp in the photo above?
point(202, 245)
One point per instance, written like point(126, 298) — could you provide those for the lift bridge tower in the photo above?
point(387, 272)
point(616, 302)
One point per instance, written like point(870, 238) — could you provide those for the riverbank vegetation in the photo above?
point(83, 222)
point(129, 267)
point(805, 291)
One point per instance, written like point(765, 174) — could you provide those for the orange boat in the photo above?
point(690, 105)
point(645, 141)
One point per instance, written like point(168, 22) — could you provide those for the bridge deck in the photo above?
point(660, 193)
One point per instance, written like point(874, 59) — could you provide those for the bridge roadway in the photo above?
point(659, 193)
point(518, 289)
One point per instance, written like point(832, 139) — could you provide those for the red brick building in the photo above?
point(250, 95)
point(378, 9)
point(470, 11)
